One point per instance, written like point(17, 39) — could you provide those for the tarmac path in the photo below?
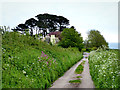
point(86, 81)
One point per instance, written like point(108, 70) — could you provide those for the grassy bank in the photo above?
point(105, 68)
point(30, 63)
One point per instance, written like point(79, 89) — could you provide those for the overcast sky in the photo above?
point(85, 15)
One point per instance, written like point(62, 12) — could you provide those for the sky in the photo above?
point(84, 15)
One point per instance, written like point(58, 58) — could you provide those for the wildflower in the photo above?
point(47, 62)
point(24, 72)
point(45, 55)
point(31, 68)
point(7, 64)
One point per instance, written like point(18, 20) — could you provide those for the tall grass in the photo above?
point(30, 63)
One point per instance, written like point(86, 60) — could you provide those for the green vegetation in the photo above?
point(105, 68)
point(31, 63)
point(79, 77)
point(94, 40)
point(75, 81)
point(83, 62)
point(43, 22)
point(71, 38)
point(80, 68)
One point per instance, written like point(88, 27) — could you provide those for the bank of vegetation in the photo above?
point(31, 63)
point(105, 68)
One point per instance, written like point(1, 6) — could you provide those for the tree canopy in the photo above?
point(45, 23)
point(31, 23)
point(95, 39)
point(71, 38)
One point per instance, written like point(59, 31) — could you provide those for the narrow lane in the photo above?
point(86, 82)
point(63, 82)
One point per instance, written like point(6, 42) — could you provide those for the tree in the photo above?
point(73, 27)
point(3, 29)
point(95, 39)
point(51, 22)
point(71, 38)
point(22, 28)
point(44, 22)
point(62, 22)
point(31, 23)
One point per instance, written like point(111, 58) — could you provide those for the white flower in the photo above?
point(7, 64)
point(24, 72)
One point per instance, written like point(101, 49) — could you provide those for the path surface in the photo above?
point(86, 81)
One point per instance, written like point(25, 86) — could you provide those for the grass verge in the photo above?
point(78, 76)
point(75, 81)
point(80, 68)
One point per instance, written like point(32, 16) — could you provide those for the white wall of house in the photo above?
point(52, 39)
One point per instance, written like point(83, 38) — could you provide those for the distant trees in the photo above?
point(31, 23)
point(3, 29)
point(45, 23)
point(95, 39)
point(62, 22)
point(71, 38)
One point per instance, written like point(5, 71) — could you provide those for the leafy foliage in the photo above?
point(30, 63)
point(45, 22)
point(71, 38)
point(95, 39)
